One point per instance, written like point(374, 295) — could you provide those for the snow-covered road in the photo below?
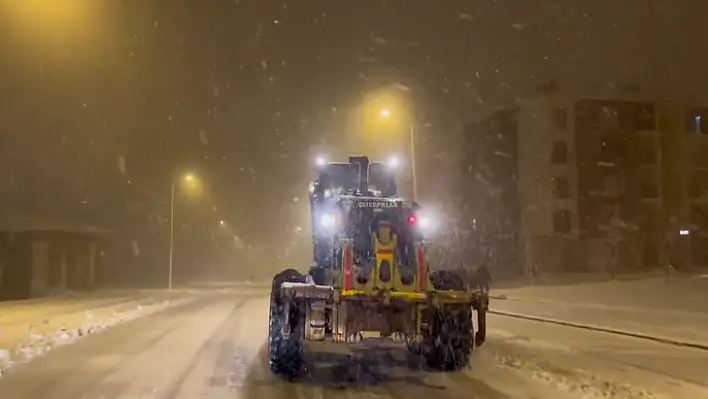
point(214, 347)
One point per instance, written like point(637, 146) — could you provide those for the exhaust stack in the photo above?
point(363, 173)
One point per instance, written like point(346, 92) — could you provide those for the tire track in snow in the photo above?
point(215, 341)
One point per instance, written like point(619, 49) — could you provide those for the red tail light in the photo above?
point(348, 266)
point(422, 270)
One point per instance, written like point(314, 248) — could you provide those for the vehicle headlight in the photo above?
point(327, 220)
point(425, 223)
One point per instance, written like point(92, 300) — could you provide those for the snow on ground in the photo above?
point(584, 364)
point(222, 354)
point(676, 293)
point(682, 327)
point(673, 309)
point(589, 364)
point(29, 329)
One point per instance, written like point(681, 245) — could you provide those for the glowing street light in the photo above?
point(50, 14)
point(394, 162)
point(221, 222)
point(49, 25)
point(189, 178)
point(388, 102)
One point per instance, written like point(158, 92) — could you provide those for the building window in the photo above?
point(559, 153)
point(697, 125)
point(561, 187)
point(609, 117)
point(613, 150)
point(647, 217)
point(698, 216)
point(650, 255)
point(645, 118)
point(559, 118)
point(697, 185)
point(561, 222)
point(649, 189)
point(697, 120)
point(608, 212)
point(610, 186)
point(648, 151)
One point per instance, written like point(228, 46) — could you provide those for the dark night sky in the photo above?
point(149, 80)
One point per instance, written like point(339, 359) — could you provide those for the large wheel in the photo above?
point(285, 353)
point(449, 341)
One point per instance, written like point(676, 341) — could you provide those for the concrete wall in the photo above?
point(40, 268)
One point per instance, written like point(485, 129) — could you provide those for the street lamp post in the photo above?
point(413, 163)
point(386, 113)
point(173, 187)
point(172, 235)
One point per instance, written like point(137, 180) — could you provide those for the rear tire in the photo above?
point(449, 342)
point(285, 353)
point(450, 337)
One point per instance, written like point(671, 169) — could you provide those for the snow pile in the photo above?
point(42, 338)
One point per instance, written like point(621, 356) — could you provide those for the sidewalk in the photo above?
point(31, 328)
point(677, 294)
point(675, 309)
point(35, 310)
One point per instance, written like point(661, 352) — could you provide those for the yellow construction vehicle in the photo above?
point(370, 278)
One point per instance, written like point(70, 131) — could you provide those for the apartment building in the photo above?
point(489, 188)
point(591, 183)
point(686, 181)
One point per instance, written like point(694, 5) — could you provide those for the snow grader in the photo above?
point(369, 277)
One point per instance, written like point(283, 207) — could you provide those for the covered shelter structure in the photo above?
point(42, 256)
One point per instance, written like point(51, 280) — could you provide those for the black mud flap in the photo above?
point(481, 307)
point(481, 334)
